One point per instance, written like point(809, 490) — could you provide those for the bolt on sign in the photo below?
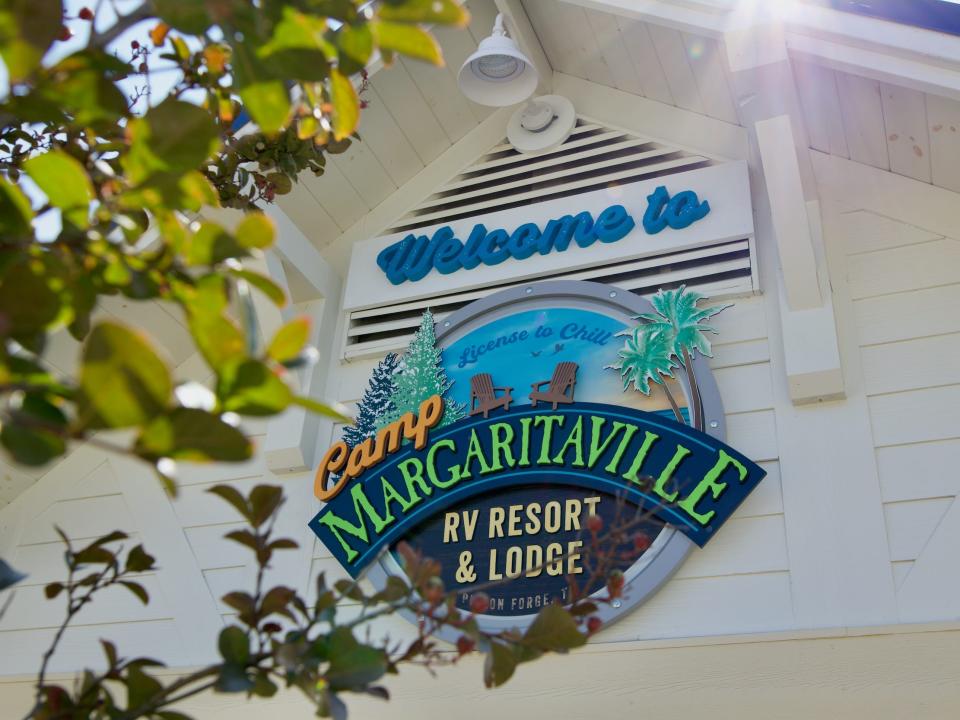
point(505, 427)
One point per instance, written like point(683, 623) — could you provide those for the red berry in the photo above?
point(479, 603)
point(143, 67)
point(272, 627)
point(85, 13)
point(65, 33)
point(641, 541)
point(594, 624)
point(134, 44)
point(594, 523)
point(465, 645)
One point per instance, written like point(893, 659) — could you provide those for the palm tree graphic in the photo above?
point(668, 338)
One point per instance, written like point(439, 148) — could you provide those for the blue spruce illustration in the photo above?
point(376, 401)
point(422, 375)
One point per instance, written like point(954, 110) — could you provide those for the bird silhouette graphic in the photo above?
point(557, 348)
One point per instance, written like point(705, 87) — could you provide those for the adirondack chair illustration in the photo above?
point(563, 381)
point(483, 395)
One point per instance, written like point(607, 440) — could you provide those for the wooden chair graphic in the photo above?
point(483, 395)
point(564, 379)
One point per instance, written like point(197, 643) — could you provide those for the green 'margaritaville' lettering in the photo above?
point(590, 443)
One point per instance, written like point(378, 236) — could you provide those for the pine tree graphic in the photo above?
point(376, 401)
point(422, 375)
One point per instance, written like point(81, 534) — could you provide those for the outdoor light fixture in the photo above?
point(498, 74)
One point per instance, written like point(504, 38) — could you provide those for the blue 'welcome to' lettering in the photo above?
point(415, 256)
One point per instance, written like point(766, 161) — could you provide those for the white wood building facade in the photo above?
point(834, 591)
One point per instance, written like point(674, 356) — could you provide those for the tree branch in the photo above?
point(123, 23)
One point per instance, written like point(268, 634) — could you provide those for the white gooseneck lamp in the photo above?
point(498, 74)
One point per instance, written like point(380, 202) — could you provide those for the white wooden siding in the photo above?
point(904, 282)
point(656, 62)
point(887, 126)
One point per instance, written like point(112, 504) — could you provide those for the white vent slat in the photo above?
point(391, 325)
point(418, 304)
point(622, 268)
point(436, 217)
point(686, 274)
point(715, 289)
point(570, 145)
point(579, 130)
point(595, 273)
point(568, 172)
point(543, 164)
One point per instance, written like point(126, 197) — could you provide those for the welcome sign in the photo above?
point(686, 210)
point(505, 427)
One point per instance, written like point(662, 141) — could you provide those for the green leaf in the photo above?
point(298, 49)
point(263, 93)
point(251, 388)
point(232, 496)
point(554, 630)
point(263, 686)
point(175, 136)
point(137, 589)
point(346, 105)
point(289, 340)
point(189, 16)
point(218, 338)
point(30, 445)
point(195, 435)
point(173, 715)
point(139, 560)
point(407, 40)
point(212, 244)
point(276, 601)
point(264, 501)
point(140, 687)
point(243, 604)
point(110, 651)
point(15, 212)
point(65, 183)
point(29, 295)
point(243, 537)
point(233, 679)
point(352, 664)
point(499, 665)
point(355, 43)
point(163, 190)
point(123, 382)
point(441, 12)
point(264, 284)
point(52, 590)
point(234, 645)
point(9, 576)
point(83, 86)
point(256, 230)
point(94, 555)
point(27, 29)
point(320, 408)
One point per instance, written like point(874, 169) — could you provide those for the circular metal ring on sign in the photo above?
point(671, 547)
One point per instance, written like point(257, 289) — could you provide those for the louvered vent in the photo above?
point(593, 158)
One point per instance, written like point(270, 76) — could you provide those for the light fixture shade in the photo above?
point(498, 74)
